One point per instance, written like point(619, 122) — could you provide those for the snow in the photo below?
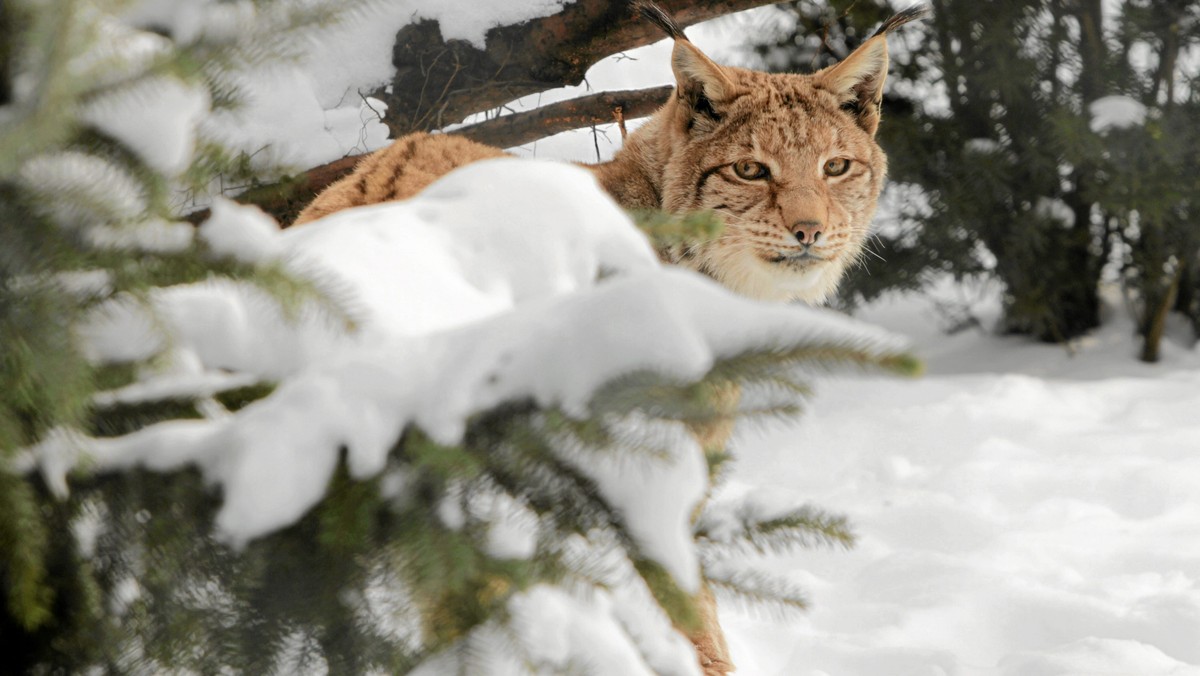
point(240, 232)
point(1020, 511)
point(155, 118)
point(984, 146)
point(1115, 112)
point(157, 235)
point(557, 633)
point(97, 183)
point(659, 520)
point(1054, 209)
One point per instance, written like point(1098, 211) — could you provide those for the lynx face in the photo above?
point(794, 176)
point(789, 161)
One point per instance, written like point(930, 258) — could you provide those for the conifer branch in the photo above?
point(798, 529)
point(759, 591)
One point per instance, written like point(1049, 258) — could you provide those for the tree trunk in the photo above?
point(1155, 323)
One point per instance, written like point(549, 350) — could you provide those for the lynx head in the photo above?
point(789, 161)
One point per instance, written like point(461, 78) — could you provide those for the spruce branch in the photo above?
point(668, 231)
point(678, 604)
point(756, 590)
point(802, 528)
point(24, 543)
point(764, 364)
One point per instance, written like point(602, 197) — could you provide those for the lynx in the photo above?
point(788, 161)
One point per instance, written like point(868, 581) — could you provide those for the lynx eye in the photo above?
point(750, 170)
point(837, 166)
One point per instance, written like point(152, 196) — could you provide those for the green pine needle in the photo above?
point(671, 231)
point(678, 604)
point(756, 590)
point(802, 528)
point(24, 542)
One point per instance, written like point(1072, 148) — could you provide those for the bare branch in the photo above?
point(440, 82)
point(521, 128)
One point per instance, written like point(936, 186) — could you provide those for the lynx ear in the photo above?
point(700, 83)
point(699, 80)
point(858, 80)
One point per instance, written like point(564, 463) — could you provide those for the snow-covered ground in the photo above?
point(1021, 511)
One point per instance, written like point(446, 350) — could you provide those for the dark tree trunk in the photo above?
point(1155, 322)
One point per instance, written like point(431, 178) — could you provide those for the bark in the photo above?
point(521, 128)
point(1155, 324)
point(440, 82)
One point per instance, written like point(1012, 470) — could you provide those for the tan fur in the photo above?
point(398, 172)
point(788, 236)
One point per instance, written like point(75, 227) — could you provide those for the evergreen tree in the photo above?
point(989, 115)
point(1148, 184)
point(127, 571)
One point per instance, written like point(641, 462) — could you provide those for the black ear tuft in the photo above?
point(659, 17)
point(913, 13)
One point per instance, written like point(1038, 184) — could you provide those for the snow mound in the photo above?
point(1010, 524)
point(1098, 657)
point(506, 280)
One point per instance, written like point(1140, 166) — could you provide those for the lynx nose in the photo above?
point(807, 232)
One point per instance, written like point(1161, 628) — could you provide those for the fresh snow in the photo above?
point(89, 179)
point(1021, 512)
point(156, 118)
point(1116, 112)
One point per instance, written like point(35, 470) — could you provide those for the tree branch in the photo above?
point(525, 127)
point(439, 82)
